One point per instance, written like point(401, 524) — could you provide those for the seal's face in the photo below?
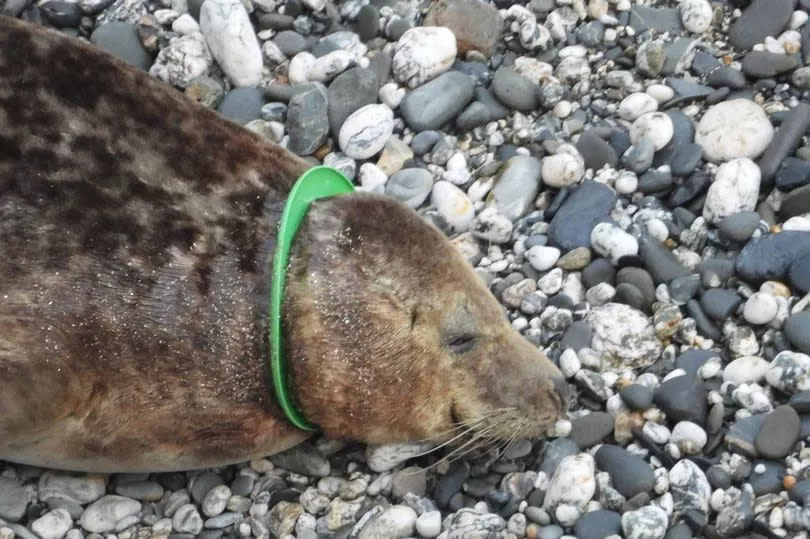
point(393, 337)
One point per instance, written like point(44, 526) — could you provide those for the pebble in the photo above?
point(516, 186)
point(514, 90)
point(411, 186)
point(53, 524)
point(563, 169)
point(186, 59)
point(635, 105)
point(596, 151)
point(739, 226)
point(422, 53)
point(590, 429)
point(657, 126)
point(490, 225)
point(429, 524)
point(307, 121)
point(696, 15)
point(232, 41)
point(598, 524)
point(648, 522)
point(689, 437)
point(436, 103)
point(734, 129)
point(397, 521)
point(760, 19)
point(689, 487)
point(612, 242)
point(623, 335)
point(779, 433)
point(14, 499)
point(347, 93)
point(242, 105)
point(683, 398)
point(797, 330)
point(573, 483)
point(629, 474)
point(542, 258)
point(789, 372)
point(770, 256)
point(366, 131)
point(764, 64)
point(735, 189)
point(80, 489)
point(121, 40)
point(103, 514)
point(476, 25)
point(799, 274)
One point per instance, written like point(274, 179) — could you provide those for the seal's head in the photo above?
point(392, 336)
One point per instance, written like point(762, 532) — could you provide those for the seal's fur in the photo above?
point(137, 232)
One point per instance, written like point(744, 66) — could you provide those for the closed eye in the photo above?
point(461, 344)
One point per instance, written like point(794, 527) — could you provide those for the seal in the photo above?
point(137, 230)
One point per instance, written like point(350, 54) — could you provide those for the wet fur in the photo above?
point(137, 230)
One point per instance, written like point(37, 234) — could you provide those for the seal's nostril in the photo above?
point(562, 388)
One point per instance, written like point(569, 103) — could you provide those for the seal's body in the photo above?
point(137, 232)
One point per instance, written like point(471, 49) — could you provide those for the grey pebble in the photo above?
point(437, 102)
point(411, 186)
point(514, 90)
point(760, 19)
point(121, 40)
point(779, 433)
point(242, 105)
point(590, 429)
point(629, 474)
point(797, 330)
point(307, 122)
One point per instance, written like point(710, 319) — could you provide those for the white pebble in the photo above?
point(366, 131)
point(660, 92)
point(626, 183)
point(229, 33)
point(637, 104)
point(655, 125)
point(611, 241)
point(569, 363)
point(657, 229)
point(696, 15)
point(745, 370)
point(562, 169)
point(542, 257)
point(760, 309)
point(371, 178)
point(798, 19)
point(735, 189)
point(732, 129)
point(423, 53)
point(391, 94)
point(689, 437)
point(429, 524)
point(453, 205)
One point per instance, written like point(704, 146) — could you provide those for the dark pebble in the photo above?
point(762, 64)
point(761, 19)
point(620, 141)
point(679, 531)
point(682, 289)
point(242, 105)
point(692, 360)
point(588, 205)
point(629, 473)
point(290, 42)
point(655, 182)
point(795, 203)
point(576, 336)
point(274, 21)
point(628, 294)
point(367, 22)
point(598, 525)
point(596, 151)
point(639, 278)
point(739, 226)
point(797, 330)
point(718, 477)
point(514, 90)
point(704, 324)
point(590, 429)
point(800, 492)
point(779, 433)
point(692, 188)
point(494, 107)
point(637, 396)
point(61, 14)
point(793, 173)
point(728, 77)
point(121, 40)
point(437, 102)
point(769, 256)
point(475, 115)
point(800, 402)
point(598, 271)
point(683, 398)
point(769, 482)
point(660, 262)
point(554, 452)
point(450, 483)
point(720, 303)
point(686, 159)
point(347, 93)
point(785, 141)
point(743, 433)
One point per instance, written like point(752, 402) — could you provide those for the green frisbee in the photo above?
point(318, 182)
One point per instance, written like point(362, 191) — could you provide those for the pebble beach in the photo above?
point(631, 179)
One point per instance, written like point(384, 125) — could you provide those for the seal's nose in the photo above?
point(563, 389)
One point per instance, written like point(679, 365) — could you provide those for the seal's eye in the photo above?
point(461, 344)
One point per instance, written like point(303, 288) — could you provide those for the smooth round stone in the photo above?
point(769, 256)
point(628, 294)
point(660, 92)
point(590, 429)
point(797, 330)
point(635, 105)
point(436, 103)
point(395, 522)
point(726, 77)
point(424, 142)
point(366, 131)
point(770, 481)
point(640, 279)
point(367, 23)
point(760, 309)
point(683, 398)
point(453, 205)
point(779, 433)
point(796, 203)
point(793, 173)
point(801, 402)
point(589, 204)
point(491, 226)
point(720, 303)
point(598, 525)
point(637, 396)
point(696, 15)
point(347, 93)
point(689, 487)
point(307, 122)
point(650, 57)
point(577, 336)
point(429, 524)
point(242, 105)
point(290, 42)
point(121, 40)
point(514, 90)
point(53, 524)
point(14, 499)
point(735, 189)
point(422, 53)
point(476, 114)
point(799, 274)
point(789, 372)
point(657, 126)
point(629, 473)
point(573, 483)
point(655, 181)
point(575, 259)
point(61, 14)
point(648, 522)
point(542, 258)
point(562, 169)
point(745, 370)
point(686, 159)
point(689, 437)
point(734, 129)
point(599, 271)
point(103, 514)
point(410, 186)
point(739, 226)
